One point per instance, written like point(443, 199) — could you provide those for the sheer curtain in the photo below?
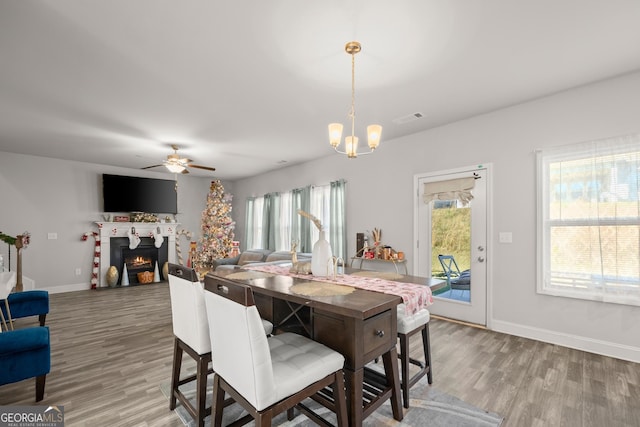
point(338, 234)
point(589, 220)
point(283, 235)
point(253, 222)
point(320, 209)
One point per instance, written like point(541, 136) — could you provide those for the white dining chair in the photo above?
point(266, 375)
point(191, 331)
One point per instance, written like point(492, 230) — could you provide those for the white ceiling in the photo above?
point(245, 85)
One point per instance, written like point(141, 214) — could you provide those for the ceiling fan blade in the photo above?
point(154, 166)
point(201, 167)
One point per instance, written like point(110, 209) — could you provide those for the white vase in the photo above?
point(321, 257)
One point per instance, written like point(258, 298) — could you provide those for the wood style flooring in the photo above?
point(111, 350)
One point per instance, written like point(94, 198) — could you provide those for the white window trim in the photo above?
point(543, 279)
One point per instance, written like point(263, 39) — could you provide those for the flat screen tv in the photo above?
point(133, 194)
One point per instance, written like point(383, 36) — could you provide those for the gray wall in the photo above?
point(380, 195)
point(43, 195)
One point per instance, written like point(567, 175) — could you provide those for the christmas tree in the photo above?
point(217, 227)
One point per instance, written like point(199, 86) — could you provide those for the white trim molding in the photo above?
point(604, 348)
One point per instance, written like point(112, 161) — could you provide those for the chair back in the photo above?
point(240, 350)
point(449, 266)
point(188, 310)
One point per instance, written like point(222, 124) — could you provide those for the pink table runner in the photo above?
point(414, 296)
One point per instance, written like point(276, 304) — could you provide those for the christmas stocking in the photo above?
point(157, 235)
point(134, 240)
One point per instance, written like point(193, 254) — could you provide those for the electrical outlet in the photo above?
point(52, 236)
point(78, 271)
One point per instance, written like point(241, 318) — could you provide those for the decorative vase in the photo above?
point(321, 257)
point(112, 276)
point(165, 271)
point(125, 276)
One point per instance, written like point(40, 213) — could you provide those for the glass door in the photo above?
point(451, 246)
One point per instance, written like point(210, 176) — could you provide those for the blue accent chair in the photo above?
point(25, 353)
point(27, 303)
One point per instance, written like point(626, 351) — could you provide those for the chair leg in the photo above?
point(42, 318)
point(175, 375)
point(201, 393)
point(40, 381)
point(404, 367)
point(426, 345)
point(340, 397)
point(218, 402)
point(405, 361)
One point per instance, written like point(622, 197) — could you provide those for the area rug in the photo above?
point(435, 409)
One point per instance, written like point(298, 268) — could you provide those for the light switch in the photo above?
point(52, 236)
point(506, 237)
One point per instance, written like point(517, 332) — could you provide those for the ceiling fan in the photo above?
point(176, 164)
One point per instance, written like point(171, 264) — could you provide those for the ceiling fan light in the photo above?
point(335, 134)
point(373, 136)
point(174, 167)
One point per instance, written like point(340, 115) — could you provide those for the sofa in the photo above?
point(252, 256)
point(246, 257)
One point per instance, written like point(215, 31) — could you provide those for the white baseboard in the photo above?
point(605, 348)
point(67, 288)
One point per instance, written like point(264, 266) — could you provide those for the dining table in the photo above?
point(356, 321)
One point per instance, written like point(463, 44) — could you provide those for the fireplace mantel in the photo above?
point(108, 230)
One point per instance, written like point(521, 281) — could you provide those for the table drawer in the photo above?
point(377, 332)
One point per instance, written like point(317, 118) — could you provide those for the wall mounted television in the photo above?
point(133, 194)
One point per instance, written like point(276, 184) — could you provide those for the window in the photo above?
point(589, 220)
point(273, 222)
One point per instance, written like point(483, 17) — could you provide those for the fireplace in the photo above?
point(114, 248)
point(142, 258)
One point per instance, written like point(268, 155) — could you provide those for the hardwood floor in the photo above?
point(111, 350)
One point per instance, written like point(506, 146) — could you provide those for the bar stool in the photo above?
point(408, 325)
point(191, 331)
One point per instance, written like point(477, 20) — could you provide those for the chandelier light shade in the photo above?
point(374, 132)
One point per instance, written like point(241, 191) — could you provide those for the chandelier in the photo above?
point(335, 129)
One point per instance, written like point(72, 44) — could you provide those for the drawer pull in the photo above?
point(380, 333)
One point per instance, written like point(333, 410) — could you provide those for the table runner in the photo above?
point(414, 296)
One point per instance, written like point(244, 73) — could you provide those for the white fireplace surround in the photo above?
point(108, 230)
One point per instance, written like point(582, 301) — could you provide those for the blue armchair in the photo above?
point(25, 353)
point(27, 303)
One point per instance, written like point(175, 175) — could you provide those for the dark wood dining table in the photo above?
point(362, 326)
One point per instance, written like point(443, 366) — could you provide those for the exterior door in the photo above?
point(447, 226)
